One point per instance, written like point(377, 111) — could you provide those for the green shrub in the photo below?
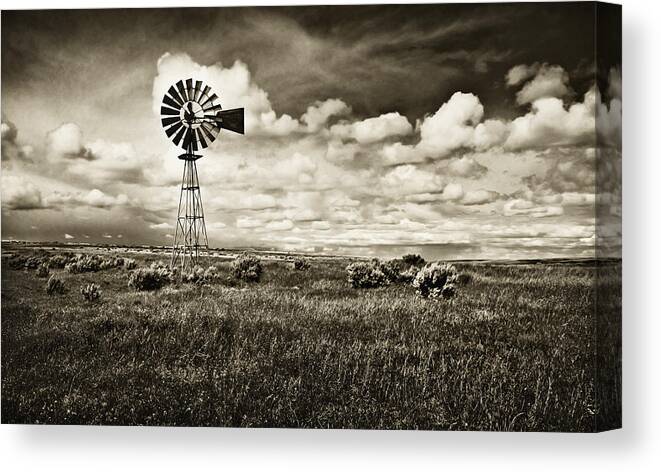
point(91, 292)
point(247, 267)
point(436, 280)
point(367, 274)
point(42, 270)
point(300, 263)
point(150, 278)
point(54, 286)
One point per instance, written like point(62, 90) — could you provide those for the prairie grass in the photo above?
point(514, 350)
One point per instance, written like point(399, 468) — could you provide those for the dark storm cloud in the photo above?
point(378, 58)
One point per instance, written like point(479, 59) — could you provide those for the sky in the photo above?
point(456, 131)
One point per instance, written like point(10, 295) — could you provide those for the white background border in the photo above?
point(636, 447)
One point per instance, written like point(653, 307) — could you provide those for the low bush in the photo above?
point(150, 278)
point(84, 263)
point(247, 267)
point(211, 273)
point(464, 279)
point(58, 261)
point(367, 274)
point(91, 292)
point(16, 261)
point(111, 263)
point(300, 263)
point(436, 280)
point(42, 270)
point(130, 264)
point(393, 269)
point(199, 275)
point(32, 263)
point(414, 260)
point(408, 275)
point(54, 286)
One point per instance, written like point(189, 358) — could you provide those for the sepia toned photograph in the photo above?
point(330, 217)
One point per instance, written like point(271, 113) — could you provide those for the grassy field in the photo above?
point(515, 350)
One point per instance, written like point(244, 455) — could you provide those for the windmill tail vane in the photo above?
point(192, 118)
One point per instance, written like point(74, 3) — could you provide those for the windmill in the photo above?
point(193, 118)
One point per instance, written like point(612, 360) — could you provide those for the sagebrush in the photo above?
point(247, 267)
point(54, 286)
point(91, 292)
point(150, 278)
point(436, 280)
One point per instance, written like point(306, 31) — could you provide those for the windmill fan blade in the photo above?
point(182, 90)
point(213, 108)
point(189, 89)
point(231, 120)
point(169, 111)
point(194, 140)
point(205, 94)
point(187, 138)
point(171, 103)
point(200, 137)
point(209, 132)
point(177, 138)
point(177, 98)
point(172, 129)
point(198, 90)
point(209, 100)
point(170, 121)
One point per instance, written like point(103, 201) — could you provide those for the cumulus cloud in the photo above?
point(409, 179)
point(453, 191)
point(20, 194)
point(67, 141)
point(240, 200)
point(398, 153)
point(519, 206)
point(520, 73)
point(94, 198)
point(455, 125)
point(551, 123)
point(163, 225)
point(248, 222)
point(112, 162)
point(11, 149)
point(452, 126)
point(375, 129)
point(283, 225)
point(317, 116)
point(479, 197)
point(548, 81)
point(466, 166)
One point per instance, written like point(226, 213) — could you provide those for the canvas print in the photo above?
point(361, 217)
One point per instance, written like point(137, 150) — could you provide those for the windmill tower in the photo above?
point(192, 118)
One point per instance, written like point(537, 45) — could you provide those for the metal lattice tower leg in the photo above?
point(190, 238)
